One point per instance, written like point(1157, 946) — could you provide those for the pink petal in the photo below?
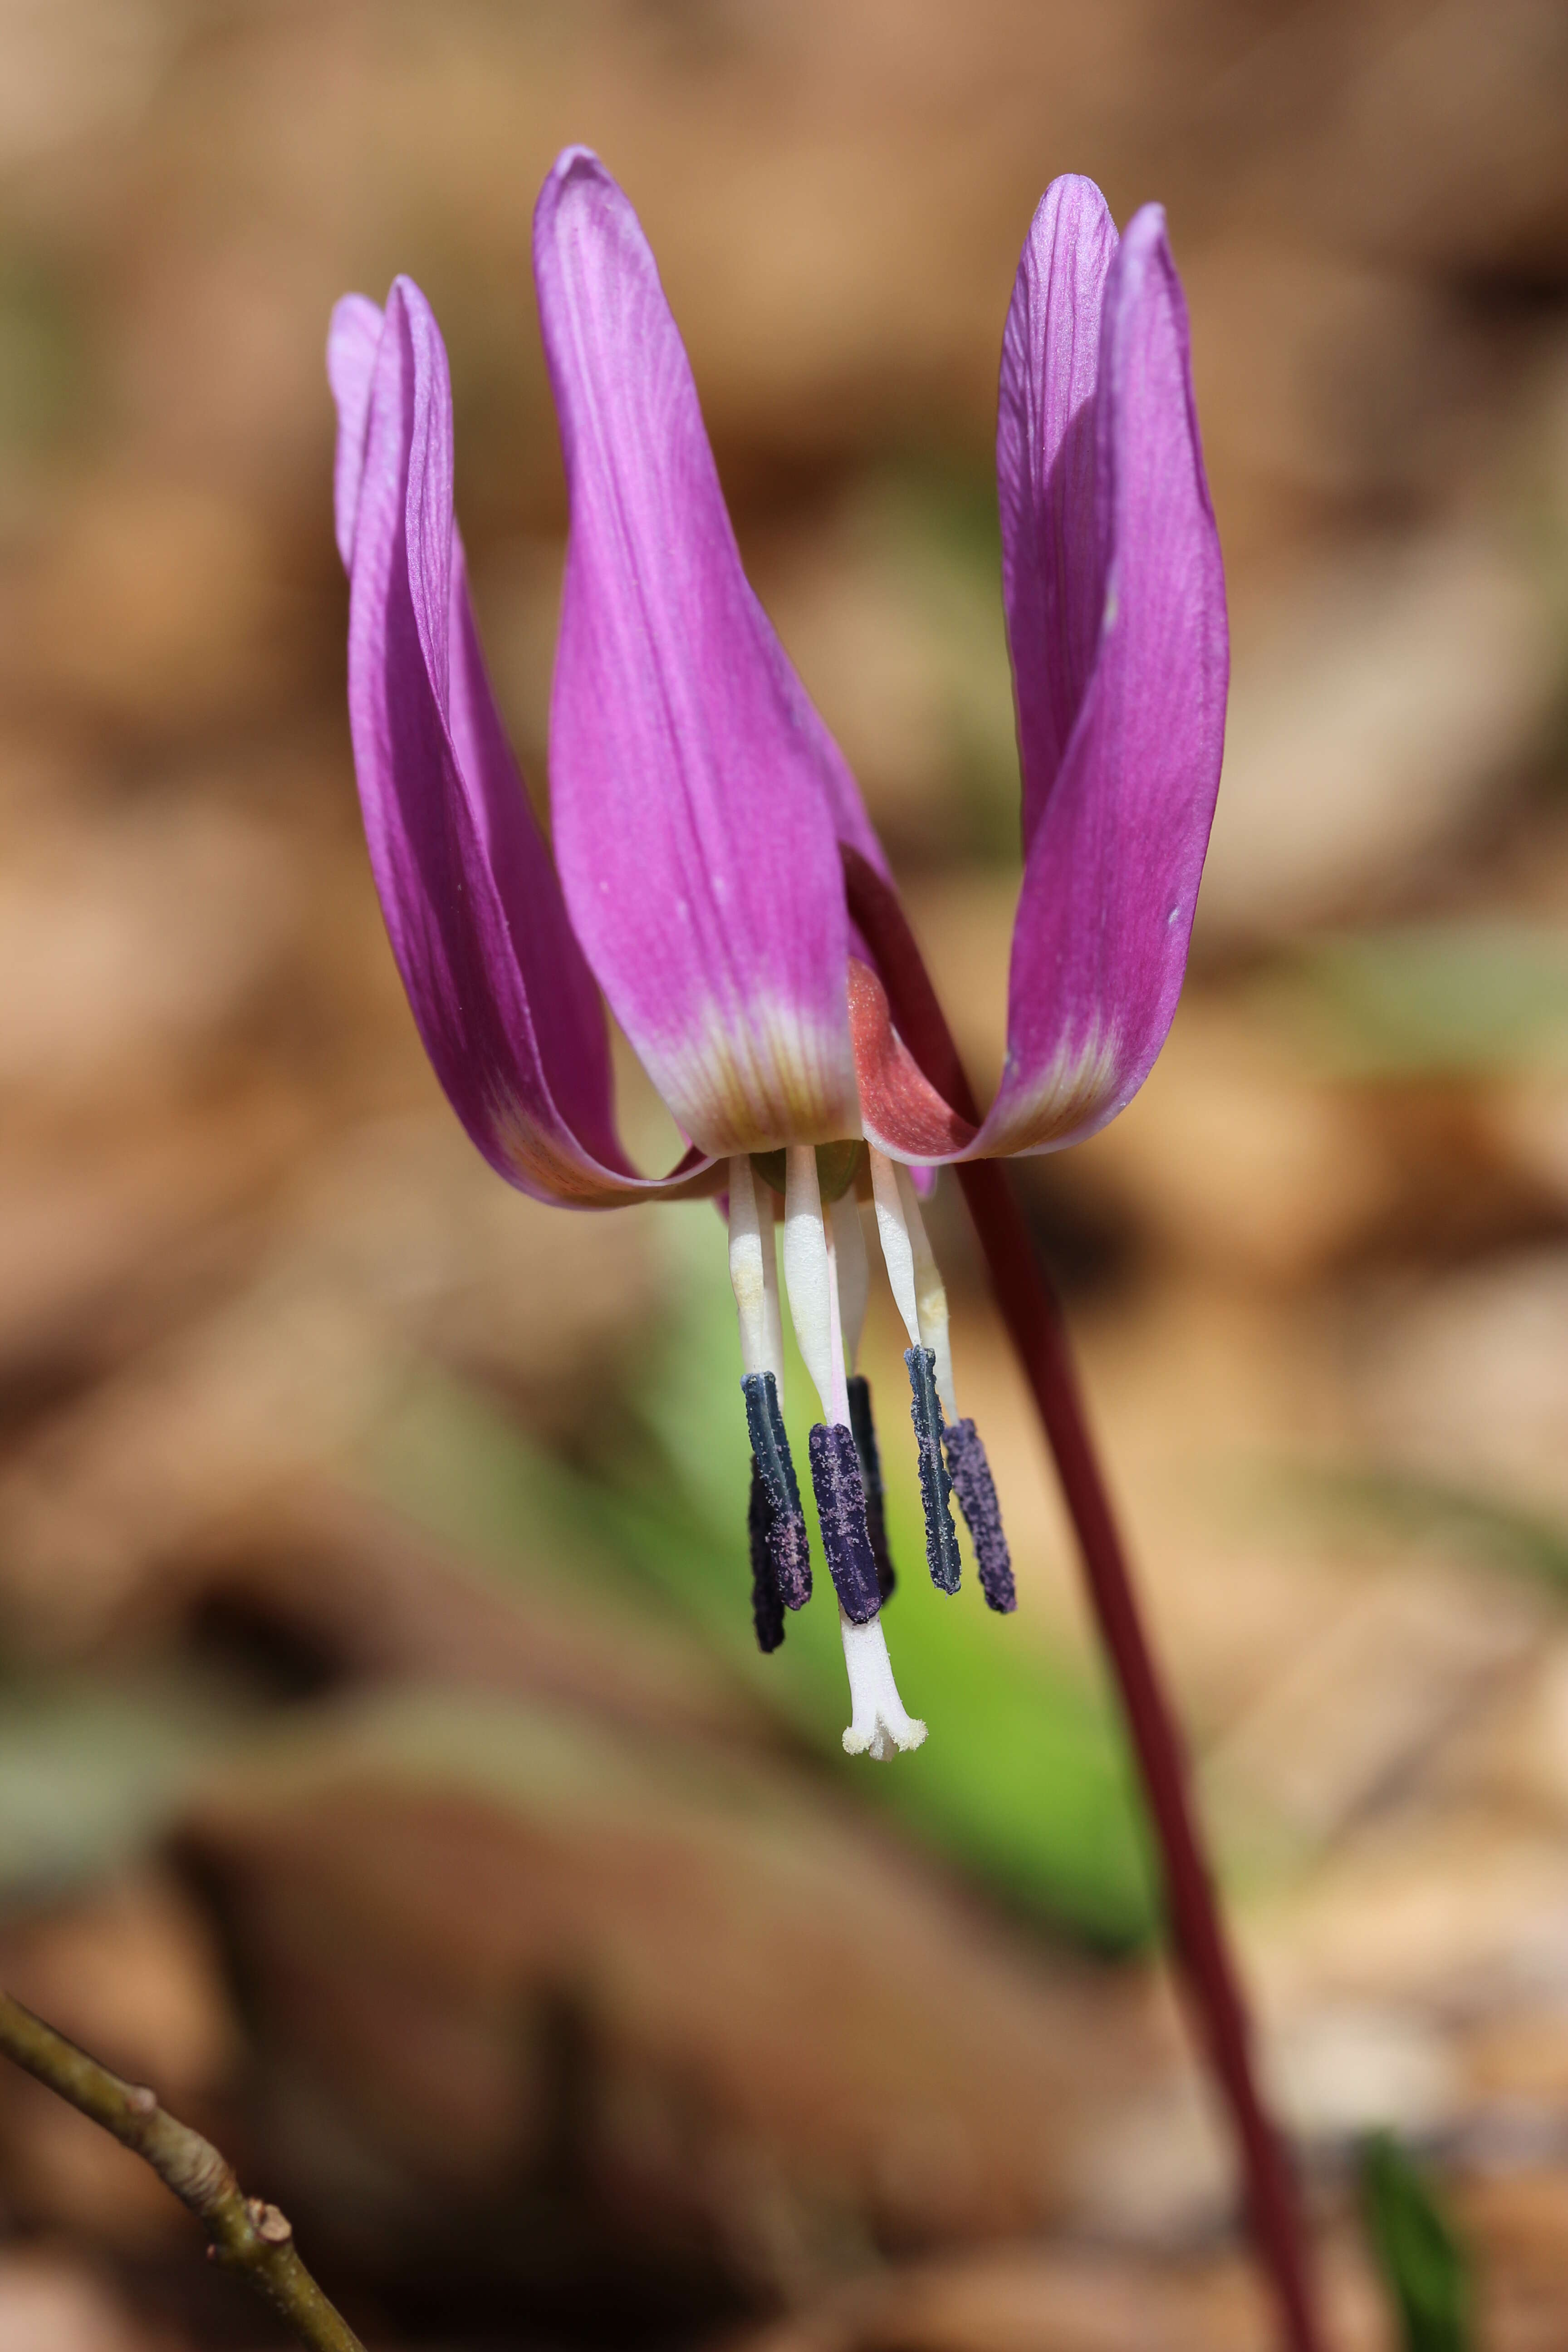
point(1115, 599)
point(352, 343)
point(1052, 535)
point(902, 1110)
point(1111, 879)
point(696, 794)
point(496, 982)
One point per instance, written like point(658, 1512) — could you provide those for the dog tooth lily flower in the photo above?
point(702, 819)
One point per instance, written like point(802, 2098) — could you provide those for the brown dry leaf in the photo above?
point(777, 2011)
point(130, 1971)
point(1062, 2300)
point(1369, 727)
point(129, 946)
point(1236, 1158)
point(1519, 2229)
point(1360, 1710)
point(1464, 1380)
point(396, 1245)
point(49, 2303)
point(156, 603)
point(352, 1593)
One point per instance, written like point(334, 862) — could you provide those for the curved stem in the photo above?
point(246, 2235)
point(1034, 1325)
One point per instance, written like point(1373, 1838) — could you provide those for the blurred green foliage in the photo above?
point(933, 523)
point(1421, 2260)
point(1428, 999)
point(1473, 1525)
point(92, 1766)
point(1025, 1779)
point(43, 365)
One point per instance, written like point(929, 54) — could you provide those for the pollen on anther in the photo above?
point(925, 1412)
point(841, 1514)
point(783, 1532)
point(976, 1492)
point(864, 1431)
point(767, 1606)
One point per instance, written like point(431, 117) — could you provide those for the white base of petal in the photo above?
point(878, 1724)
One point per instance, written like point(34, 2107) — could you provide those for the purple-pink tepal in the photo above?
point(702, 813)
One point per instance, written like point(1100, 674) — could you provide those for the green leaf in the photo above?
point(1421, 2260)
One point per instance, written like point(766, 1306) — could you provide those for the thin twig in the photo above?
point(1033, 1320)
point(245, 2235)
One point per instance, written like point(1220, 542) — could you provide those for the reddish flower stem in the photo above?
point(1033, 1320)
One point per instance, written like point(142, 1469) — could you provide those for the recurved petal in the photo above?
point(1053, 533)
point(1117, 847)
point(568, 1020)
point(1111, 879)
point(352, 341)
point(694, 790)
point(496, 983)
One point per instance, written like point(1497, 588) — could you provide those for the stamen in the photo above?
point(781, 1557)
point(910, 1266)
point(784, 1534)
point(898, 1253)
point(865, 1433)
point(809, 1273)
point(925, 1412)
point(922, 1302)
point(930, 1293)
point(753, 1271)
point(976, 1492)
point(854, 1291)
point(767, 1609)
point(841, 1514)
point(854, 1273)
point(879, 1722)
point(826, 1302)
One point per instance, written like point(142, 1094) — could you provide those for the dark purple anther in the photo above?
point(784, 1534)
point(925, 1412)
point(767, 1609)
point(865, 1433)
point(841, 1514)
point(972, 1483)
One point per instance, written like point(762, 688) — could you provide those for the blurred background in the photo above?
point(385, 1769)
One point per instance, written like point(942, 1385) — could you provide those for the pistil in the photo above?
point(878, 1721)
point(854, 1289)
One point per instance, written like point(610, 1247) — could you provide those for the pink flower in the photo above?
point(701, 814)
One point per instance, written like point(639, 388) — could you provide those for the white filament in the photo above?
point(753, 1272)
point(912, 1272)
point(838, 1399)
point(877, 1721)
point(854, 1275)
point(898, 1253)
point(809, 1270)
point(931, 1296)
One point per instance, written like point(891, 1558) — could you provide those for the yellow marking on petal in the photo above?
point(755, 1083)
point(536, 1163)
point(1072, 1090)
